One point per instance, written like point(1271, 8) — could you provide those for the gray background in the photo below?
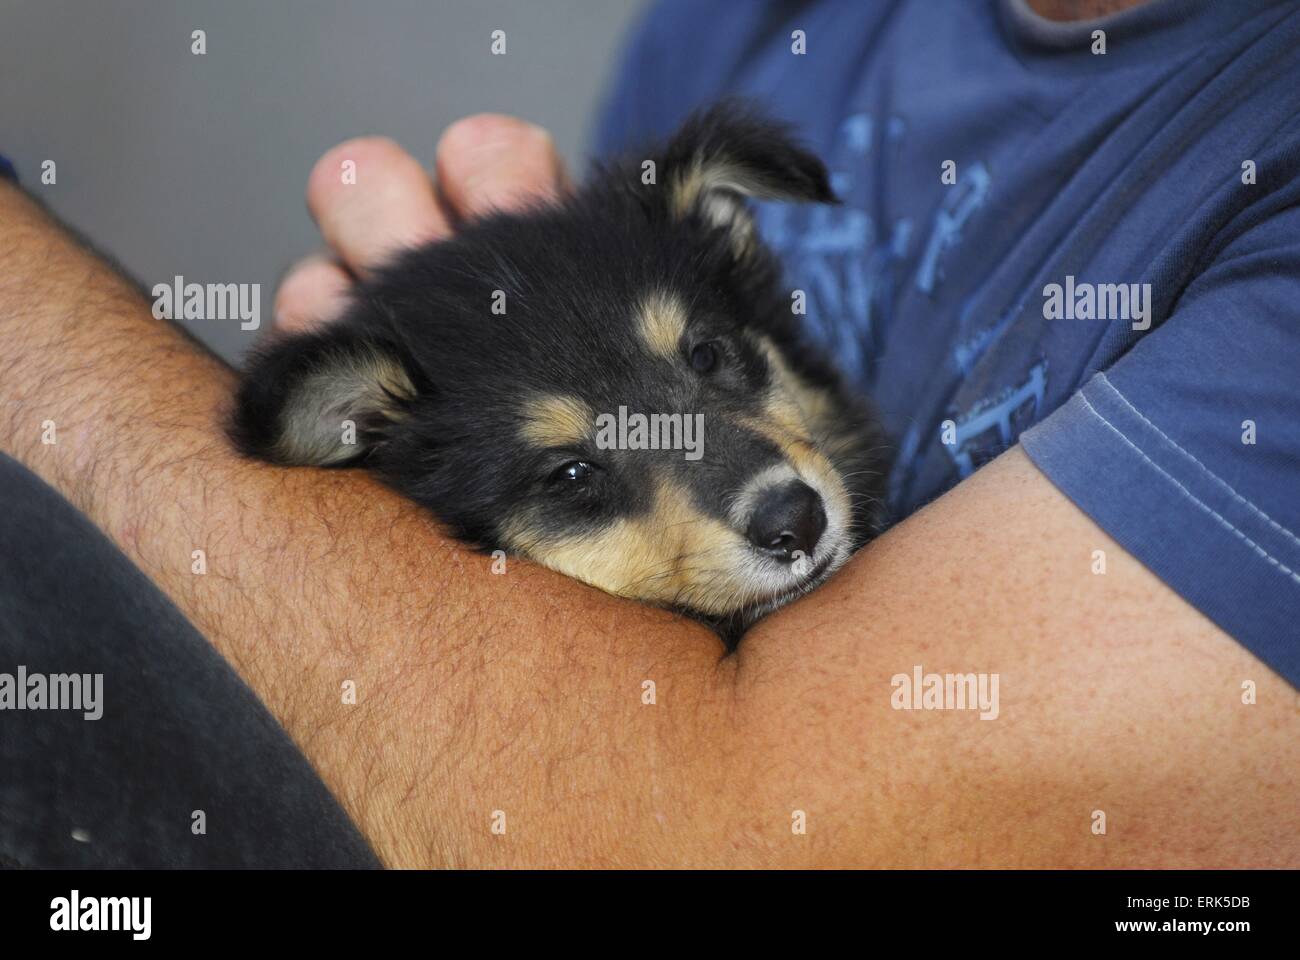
point(195, 165)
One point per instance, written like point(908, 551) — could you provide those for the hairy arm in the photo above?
point(524, 693)
point(475, 692)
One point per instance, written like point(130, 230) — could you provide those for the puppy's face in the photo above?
point(611, 386)
point(681, 460)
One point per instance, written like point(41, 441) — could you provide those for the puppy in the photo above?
point(613, 385)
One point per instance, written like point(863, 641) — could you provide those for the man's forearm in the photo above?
point(316, 578)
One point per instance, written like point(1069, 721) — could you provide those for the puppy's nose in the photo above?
point(787, 519)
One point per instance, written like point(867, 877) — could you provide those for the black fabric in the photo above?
point(179, 732)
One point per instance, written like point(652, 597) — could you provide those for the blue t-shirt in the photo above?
point(1110, 274)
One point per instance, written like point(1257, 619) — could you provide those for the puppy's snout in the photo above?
point(787, 520)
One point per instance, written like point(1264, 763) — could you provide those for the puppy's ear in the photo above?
point(322, 399)
point(729, 152)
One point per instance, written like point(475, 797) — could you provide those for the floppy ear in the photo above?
point(729, 152)
point(322, 399)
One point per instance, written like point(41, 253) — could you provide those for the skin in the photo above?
point(522, 693)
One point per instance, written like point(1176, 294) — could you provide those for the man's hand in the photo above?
point(484, 162)
point(525, 719)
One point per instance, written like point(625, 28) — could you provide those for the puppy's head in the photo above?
point(612, 386)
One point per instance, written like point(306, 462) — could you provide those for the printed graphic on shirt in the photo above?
point(840, 256)
point(851, 267)
point(992, 425)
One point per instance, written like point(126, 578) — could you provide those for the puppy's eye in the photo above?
point(575, 471)
point(704, 357)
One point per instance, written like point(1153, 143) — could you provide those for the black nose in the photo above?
point(787, 519)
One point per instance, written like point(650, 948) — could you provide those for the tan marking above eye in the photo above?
point(557, 420)
point(661, 323)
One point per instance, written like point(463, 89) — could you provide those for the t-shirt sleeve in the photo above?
point(1187, 450)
